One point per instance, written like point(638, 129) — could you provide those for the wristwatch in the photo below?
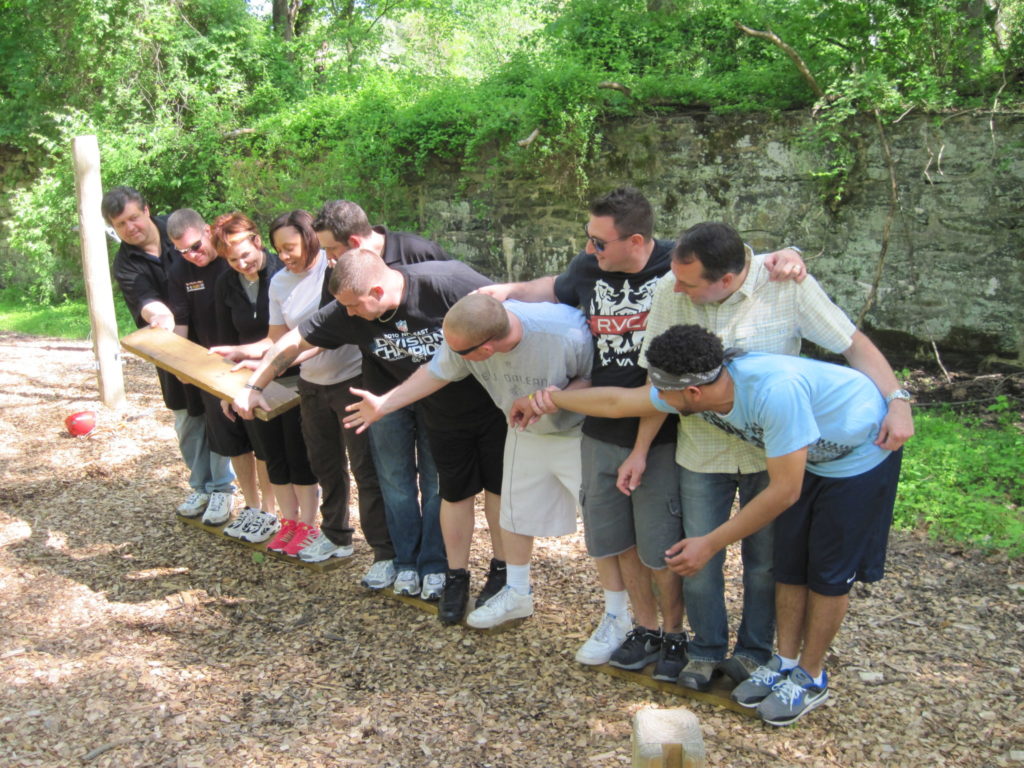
point(899, 394)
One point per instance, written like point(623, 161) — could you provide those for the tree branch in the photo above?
point(771, 37)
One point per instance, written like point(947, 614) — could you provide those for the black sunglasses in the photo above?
point(471, 350)
point(191, 249)
point(598, 243)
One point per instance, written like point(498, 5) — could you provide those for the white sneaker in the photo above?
point(604, 640)
point(236, 526)
point(381, 575)
point(504, 606)
point(433, 586)
point(407, 583)
point(321, 548)
point(194, 505)
point(261, 526)
point(219, 509)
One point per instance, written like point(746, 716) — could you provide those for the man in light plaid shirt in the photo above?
point(718, 283)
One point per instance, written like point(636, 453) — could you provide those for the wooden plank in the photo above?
point(194, 364)
point(330, 564)
point(718, 695)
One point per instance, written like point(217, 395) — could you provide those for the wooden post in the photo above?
point(667, 738)
point(98, 292)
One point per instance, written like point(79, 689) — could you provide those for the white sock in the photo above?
point(518, 578)
point(616, 603)
point(787, 664)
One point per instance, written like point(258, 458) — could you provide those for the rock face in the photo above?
point(952, 269)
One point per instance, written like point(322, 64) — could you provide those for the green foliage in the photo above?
point(961, 477)
point(67, 319)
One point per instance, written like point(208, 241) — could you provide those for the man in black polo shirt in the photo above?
point(192, 299)
point(141, 265)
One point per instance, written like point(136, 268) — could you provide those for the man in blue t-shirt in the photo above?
point(831, 486)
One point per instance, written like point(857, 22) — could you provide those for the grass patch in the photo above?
point(67, 320)
point(962, 477)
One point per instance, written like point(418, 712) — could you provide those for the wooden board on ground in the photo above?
point(431, 608)
point(218, 530)
point(718, 695)
point(194, 364)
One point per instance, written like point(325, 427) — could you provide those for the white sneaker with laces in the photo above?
point(604, 640)
point(194, 505)
point(504, 606)
point(380, 575)
point(236, 526)
point(219, 508)
point(321, 548)
point(433, 586)
point(407, 583)
point(261, 526)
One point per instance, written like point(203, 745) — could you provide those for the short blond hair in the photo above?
point(357, 270)
point(477, 317)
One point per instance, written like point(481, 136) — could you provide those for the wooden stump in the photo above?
point(667, 738)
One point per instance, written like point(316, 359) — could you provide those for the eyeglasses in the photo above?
point(192, 248)
point(598, 243)
point(474, 348)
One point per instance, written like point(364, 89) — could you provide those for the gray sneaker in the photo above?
point(793, 698)
point(407, 583)
point(321, 548)
point(194, 505)
point(738, 667)
point(219, 509)
point(760, 684)
point(640, 648)
point(380, 575)
point(697, 675)
point(433, 586)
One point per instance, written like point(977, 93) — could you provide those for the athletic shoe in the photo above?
point(640, 648)
point(218, 510)
point(672, 658)
point(433, 586)
point(284, 535)
point(261, 526)
point(304, 535)
point(381, 575)
point(454, 598)
point(494, 583)
point(407, 583)
point(697, 675)
point(234, 528)
point(508, 604)
point(194, 505)
point(793, 698)
point(760, 684)
point(603, 641)
point(321, 548)
point(738, 667)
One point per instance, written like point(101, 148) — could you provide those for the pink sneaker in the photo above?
point(280, 541)
point(304, 534)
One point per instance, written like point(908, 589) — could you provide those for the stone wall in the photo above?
point(952, 273)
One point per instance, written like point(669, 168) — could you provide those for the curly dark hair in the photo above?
point(685, 349)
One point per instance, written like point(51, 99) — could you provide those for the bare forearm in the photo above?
point(607, 402)
point(421, 384)
point(279, 359)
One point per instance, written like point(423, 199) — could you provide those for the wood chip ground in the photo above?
point(130, 640)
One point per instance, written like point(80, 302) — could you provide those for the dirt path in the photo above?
point(130, 640)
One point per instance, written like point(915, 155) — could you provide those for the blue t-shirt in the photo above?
point(783, 403)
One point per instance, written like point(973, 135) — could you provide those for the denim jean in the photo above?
point(707, 500)
point(401, 452)
point(208, 471)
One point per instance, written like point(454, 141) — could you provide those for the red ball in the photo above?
point(81, 423)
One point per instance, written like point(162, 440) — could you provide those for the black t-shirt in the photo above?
point(142, 279)
point(395, 348)
point(616, 305)
point(193, 299)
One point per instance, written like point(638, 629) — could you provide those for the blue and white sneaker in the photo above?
point(793, 698)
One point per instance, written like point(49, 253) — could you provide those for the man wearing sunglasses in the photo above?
point(511, 349)
point(141, 267)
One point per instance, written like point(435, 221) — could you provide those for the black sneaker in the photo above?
point(673, 657)
point(495, 582)
point(455, 597)
point(641, 647)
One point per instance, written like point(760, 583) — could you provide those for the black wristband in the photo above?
point(253, 387)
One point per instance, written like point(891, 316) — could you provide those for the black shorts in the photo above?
point(838, 531)
point(226, 437)
point(279, 443)
point(469, 460)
